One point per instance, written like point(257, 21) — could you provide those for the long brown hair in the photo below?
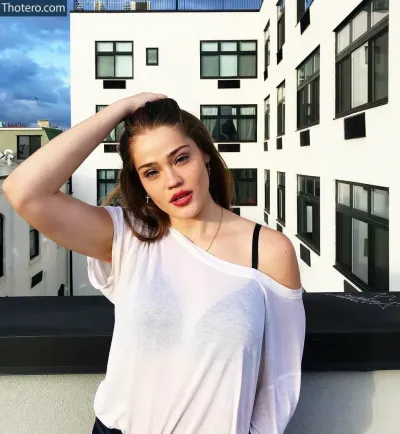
point(129, 192)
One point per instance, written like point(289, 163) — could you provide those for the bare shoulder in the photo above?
point(276, 255)
point(278, 259)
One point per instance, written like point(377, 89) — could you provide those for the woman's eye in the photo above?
point(183, 156)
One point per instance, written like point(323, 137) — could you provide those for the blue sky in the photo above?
point(34, 63)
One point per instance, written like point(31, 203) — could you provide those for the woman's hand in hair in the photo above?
point(132, 103)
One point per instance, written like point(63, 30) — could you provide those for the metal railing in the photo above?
point(167, 5)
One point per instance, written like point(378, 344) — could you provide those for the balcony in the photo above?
point(166, 5)
point(54, 353)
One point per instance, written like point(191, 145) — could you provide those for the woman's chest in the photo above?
point(167, 307)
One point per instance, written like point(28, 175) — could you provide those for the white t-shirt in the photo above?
point(200, 345)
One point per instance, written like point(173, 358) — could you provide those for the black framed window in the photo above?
point(281, 24)
point(362, 60)
point(36, 279)
point(112, 137)
point(114, 59)
point(151, 56)
point(281, 198)
point(308, 91)
point(362, 234)
point(302, 6)
point(33, 242)
point(308, 210)
point(245, 183)
point(228, 123)
point(27, 145)
point(2, 244)
point(106, 181)
point(267, 187)
point(267, 118)
point(281, 109)
point(267, 47)
point(228, 59)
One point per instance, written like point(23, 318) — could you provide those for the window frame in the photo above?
point(267, 118)
point(305, 199)
point(219, 116)
point(372, 221)
point(36, 246)
point(253, 180)
point(281, 131)
point(147, 56)
point(104, 181)
point(312, 81)
point(302, 7)
point(281, 23)
point(267, 191)
point(237, 52)
point(369, 36)
point(281, 219)
point(267, 46)
point(30, 145)
point(113, 54)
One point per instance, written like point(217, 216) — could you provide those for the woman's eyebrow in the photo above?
point(171, 154)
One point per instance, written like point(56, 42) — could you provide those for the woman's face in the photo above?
point(162, 175)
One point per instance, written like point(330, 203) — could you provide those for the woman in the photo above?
point(209, 318)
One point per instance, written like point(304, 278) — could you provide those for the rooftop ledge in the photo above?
point(167, 5)
point(72, 335)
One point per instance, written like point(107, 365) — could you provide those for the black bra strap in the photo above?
point(256, 233)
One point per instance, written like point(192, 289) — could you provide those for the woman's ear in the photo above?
point(206, 158)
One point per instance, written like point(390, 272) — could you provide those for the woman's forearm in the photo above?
point(49, 168)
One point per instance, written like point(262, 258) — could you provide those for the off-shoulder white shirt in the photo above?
point(200, 345)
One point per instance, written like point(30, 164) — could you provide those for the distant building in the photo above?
point(30, 263)
point(24, 141)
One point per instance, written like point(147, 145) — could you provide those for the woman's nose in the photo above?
point(173, 178)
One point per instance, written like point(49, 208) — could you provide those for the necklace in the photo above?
point(220, 220)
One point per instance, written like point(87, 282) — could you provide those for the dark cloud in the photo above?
point(30, 90)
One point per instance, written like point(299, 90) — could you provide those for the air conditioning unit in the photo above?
point(98, 5)
point(139, 6)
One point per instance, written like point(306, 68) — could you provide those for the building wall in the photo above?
point(369, 160)
point(8, 137)
point(53, 260)
point(178, 76)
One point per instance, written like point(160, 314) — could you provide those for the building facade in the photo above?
point(330, 176)
point(298, 99)
point(30, 263)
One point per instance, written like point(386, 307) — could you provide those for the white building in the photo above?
point(30, 263)
point(216, 65)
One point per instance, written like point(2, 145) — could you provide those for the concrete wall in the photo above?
point(330, 403)
point(53, 260)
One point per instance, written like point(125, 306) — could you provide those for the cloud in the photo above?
point(31, 92)
point(34, 65)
